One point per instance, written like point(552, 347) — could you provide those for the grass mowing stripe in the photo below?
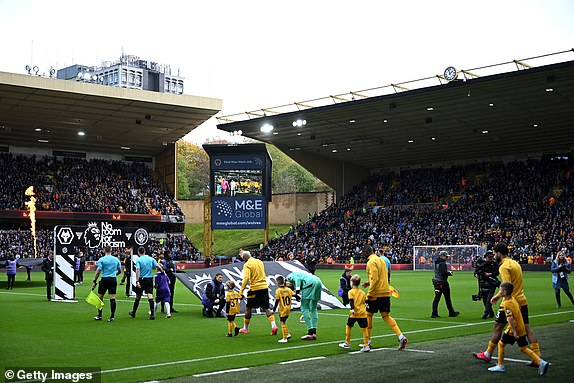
point(221, 372)
point(302, 360)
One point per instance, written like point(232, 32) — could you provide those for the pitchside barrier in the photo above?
point(197, 280)
point(68, 238)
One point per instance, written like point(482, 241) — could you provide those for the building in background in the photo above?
point(127, 72)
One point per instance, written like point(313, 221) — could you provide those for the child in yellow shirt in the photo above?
point(358, 314)
point(232, 299)
point(515, 332)
point(283, 298)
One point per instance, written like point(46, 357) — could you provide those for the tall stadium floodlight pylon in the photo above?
point(461, 256)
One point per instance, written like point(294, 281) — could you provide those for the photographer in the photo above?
point(486, 271)
point(560, 269)
point(441, 286)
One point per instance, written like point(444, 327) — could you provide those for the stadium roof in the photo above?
point(37, 109)
point(509, 110)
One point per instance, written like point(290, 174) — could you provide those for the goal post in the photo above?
point(460, 259)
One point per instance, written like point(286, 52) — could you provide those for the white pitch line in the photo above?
point(515, 360)
point(14, 293)
point(394, 349)
point(302, 360)
point(80, 298)
point(221, 372)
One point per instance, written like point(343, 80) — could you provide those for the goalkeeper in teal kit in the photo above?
point(309, 288)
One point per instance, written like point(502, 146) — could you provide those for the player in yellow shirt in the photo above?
point(258, 294)
point(232, 299)
point(510, 271)
point(509, 312)
point(379, 295)
point(283, 298)
point(358, 314)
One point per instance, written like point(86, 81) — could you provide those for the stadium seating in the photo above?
point(76, 185)
point(527, 204)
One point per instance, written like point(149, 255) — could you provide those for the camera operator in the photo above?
point(560, 270)
point(486, 271)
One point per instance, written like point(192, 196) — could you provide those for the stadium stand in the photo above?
point(528, 204)
point(75, 185)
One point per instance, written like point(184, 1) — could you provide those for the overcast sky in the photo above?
point(257, 54)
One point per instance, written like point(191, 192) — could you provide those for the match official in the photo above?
point(109, 267)
point(144, 276)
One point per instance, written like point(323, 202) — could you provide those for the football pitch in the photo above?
point(187, 347)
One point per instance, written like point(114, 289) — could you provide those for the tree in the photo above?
point(289, 176)
point(193, 170)
point(182, 176)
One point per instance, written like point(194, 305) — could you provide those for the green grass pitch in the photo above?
point(37, 333)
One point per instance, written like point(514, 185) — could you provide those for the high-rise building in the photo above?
point(127, 72)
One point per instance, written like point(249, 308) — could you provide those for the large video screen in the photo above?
point(235, 183)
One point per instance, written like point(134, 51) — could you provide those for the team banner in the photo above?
point(197, 280)
point(68, 238)
point(238, 213)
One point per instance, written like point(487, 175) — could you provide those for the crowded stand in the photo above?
point(86, 186)
point(528, 204)
point(76, 185)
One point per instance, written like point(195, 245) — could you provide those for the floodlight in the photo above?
point(299, 123)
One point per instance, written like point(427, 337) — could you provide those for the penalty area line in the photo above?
point(221, 372)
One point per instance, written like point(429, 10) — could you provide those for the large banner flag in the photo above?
point(197, 280)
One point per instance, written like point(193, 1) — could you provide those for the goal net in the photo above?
point(461, 256)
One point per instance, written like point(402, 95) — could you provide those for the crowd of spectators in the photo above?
point(76, 185)
point(528, 204)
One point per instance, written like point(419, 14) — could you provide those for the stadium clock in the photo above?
point(450, 73)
